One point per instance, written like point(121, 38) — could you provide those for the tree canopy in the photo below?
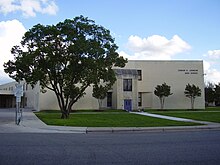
point(162, 91)
point(217, 94)
point(209, 93)
point(192, 91)
point(65, 58)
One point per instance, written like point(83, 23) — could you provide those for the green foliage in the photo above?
point(162, 91)
point(209, 93)
point(192, 91)
point(101, 87)
point(217, 94)
point(65, 58)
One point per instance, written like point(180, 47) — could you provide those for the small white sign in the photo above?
point(18, 90)
point(18, 99)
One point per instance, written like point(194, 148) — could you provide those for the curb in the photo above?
point(151, 129)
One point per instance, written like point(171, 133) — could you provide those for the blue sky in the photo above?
point(143, 29)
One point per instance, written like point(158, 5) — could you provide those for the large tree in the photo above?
point(192, 91)
point(66, 58)
point(162, 91)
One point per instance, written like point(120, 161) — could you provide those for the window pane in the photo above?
point(139, 99)
point(139, 75)
point(109, 99)
point(127, 84)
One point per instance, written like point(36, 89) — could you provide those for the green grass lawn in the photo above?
point(106, 119)
point(205, 115)
point(212, 109)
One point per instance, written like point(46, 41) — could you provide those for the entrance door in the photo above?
point(128, 105)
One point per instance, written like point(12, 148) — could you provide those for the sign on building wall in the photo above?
point(188, 71)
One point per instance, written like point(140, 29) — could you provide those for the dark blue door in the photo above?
point(128, 105)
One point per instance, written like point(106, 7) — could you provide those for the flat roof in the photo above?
point(166, 60)
point(6, 92)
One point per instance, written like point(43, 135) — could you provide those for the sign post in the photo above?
point(18, 93)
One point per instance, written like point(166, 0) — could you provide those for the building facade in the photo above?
point(134, 88)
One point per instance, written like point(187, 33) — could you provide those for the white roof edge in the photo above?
point(165, 60)
point(8, 83)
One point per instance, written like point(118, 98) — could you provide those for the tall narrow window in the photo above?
point(109, 99)
point(127, 84)
point(139, 99)
point(139, 75)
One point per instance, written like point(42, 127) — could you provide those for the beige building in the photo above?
point(134, 88)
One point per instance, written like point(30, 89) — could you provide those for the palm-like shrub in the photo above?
point(192, 91)
point(162, 91)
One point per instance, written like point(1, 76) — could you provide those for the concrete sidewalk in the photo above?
point(31, 124)
point(174, 118)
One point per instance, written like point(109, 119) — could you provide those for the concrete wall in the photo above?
point(122, 95)
point(48, 101)
point(176, 74)
point(32, 95)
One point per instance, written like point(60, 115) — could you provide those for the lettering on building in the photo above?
point(188, 71)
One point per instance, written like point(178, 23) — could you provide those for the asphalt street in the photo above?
point(7, 116)
point(170, 148)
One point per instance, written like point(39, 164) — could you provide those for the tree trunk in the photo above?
point(64, 112)
point(65, 115)
point(100, 103)
point(161, 103)
point(161, 106)
point(192, 102)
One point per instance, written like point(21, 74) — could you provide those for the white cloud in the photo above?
point(211, 74)
point(29, 8)
point(11, 33)
point(213, 54)
point(155, 47)
point(211, 67)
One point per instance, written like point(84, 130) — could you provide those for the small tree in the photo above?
point(217, 94)
point(100, 92)
point(192, 91)
point(209, 93)
point(162, 91)
point(103, 84)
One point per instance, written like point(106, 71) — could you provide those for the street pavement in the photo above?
point(141, 148)
point(31, 124)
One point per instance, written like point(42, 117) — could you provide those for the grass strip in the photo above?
point(107, 120)
point(202, 116)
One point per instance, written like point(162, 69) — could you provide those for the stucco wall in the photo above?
point(176, 74)
point(48, 101)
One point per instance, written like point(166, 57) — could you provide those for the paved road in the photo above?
point(7, 116)
point(190, 148)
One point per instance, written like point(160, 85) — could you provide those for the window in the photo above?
point(139, 75)
point(139, 99)
point(127, 84)
point(109, 99)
